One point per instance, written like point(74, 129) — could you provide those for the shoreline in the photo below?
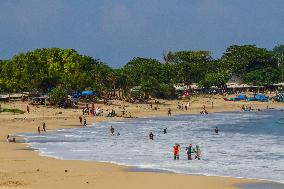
point(230, 181)
point(135, 168)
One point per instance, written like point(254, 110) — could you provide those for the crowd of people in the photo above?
point(190, 151)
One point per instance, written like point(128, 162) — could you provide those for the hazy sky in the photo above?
point(115, 31)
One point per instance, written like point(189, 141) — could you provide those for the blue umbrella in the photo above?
point(85, 93)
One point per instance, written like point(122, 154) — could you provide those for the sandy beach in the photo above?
point(23, 167)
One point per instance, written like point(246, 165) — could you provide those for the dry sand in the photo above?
point(21, 167)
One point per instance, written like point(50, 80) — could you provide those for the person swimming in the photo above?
point(151, 136)
point(216, 130)
point(176, 151)
point(165, 130)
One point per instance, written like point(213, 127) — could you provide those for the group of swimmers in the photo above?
point(189, 151)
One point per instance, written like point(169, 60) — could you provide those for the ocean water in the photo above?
point(249, 144)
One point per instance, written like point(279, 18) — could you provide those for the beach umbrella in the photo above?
point(85, 93)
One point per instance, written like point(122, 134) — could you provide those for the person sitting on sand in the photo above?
point(151, 136)
point(176, 152)
point(10, 140)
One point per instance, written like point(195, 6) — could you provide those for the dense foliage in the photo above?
point(57, 95)
point(45, 69)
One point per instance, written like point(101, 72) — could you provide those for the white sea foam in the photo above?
point(249, 145)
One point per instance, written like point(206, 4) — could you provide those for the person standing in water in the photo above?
point(165, 130)
point(216, 130)
point(176, 152)
point(197, 152)
point(111, 130)
point(151, 136)
point(189, 151)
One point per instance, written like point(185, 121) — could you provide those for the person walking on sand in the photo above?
point(44, 126)
point(189, 151)
point(38, 130)
point(169, 112)
point(80, 119)
point(28, 109)
point(85, 122)
point(176, 152)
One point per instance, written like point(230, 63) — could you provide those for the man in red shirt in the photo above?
point(176, 152)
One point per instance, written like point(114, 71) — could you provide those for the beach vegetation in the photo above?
point(57, 96)
point(54, 70)
point(12, 110)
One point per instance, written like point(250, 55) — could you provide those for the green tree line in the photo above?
point(44, 69)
